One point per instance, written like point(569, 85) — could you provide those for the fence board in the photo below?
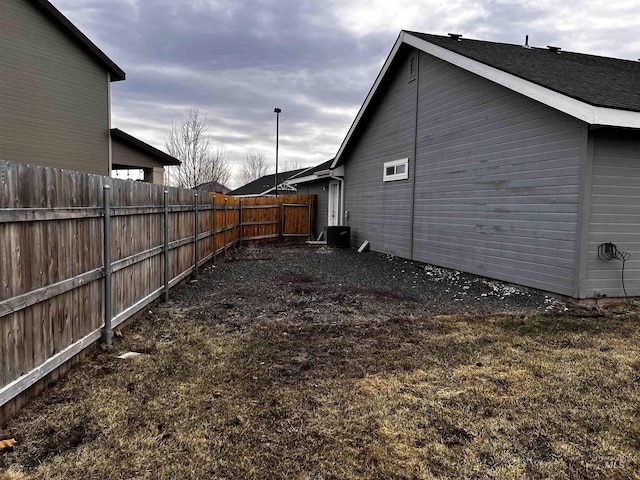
point(51, 259)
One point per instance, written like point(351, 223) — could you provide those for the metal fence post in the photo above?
point(107, 333)
point(166, 246)
point(235, 223)
point(226, 200)
point(195, 237)
point(215, 230)
point(281, 220)
point(241, 201)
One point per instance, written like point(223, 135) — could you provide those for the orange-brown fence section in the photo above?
point(80, 254)
point(266, 218)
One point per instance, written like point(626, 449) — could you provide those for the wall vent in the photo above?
point(412, 67)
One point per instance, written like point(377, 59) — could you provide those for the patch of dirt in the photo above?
point(309, 278)
point(310, 362)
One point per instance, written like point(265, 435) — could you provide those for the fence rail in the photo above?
point(80, 254)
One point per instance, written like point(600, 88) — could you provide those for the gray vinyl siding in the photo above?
point(54, 97)
point(380, 211)
point(497, 181)
point(615, 212)
point(320, 189)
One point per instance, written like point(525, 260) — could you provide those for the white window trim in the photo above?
point(397, 176)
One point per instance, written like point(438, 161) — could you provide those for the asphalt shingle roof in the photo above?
point(598, 81)
point(312, 170)
point(264, 183)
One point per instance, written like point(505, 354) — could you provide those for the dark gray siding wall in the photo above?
point(54, 101)
point(497, 181)
point(322, 202)
point(380, 211)
point(615, 212)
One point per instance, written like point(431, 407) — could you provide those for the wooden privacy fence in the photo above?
point(264, 219)
point(80, 253)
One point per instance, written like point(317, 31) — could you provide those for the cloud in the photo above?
point(237, 60)
point(368, 17)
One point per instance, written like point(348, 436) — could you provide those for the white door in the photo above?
point(334, 204)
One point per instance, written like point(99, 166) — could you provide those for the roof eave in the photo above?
point(581, 110)
point(116, 73)
point(369, 97)
point(305, 179)
point(591, 114)
point(163, 157)
point(299, 174)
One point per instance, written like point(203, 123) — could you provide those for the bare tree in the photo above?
point(254, 167)
point(189, 143)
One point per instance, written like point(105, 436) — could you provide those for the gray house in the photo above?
point(516, 163)
point(55, 97)
point(325, 183)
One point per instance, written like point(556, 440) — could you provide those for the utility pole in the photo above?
point(277, 112)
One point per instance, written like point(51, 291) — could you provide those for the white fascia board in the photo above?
point(580, 110)
point(367, 100)
point(321, 175)
point(575, 108)
point(299, 175)
point(616, 118)
point(284, 186)
point(259, 194)
point(305, 179)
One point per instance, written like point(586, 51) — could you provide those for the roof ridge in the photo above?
point(544, 49)
point(594, 89)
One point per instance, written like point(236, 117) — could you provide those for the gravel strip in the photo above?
point(433, 290)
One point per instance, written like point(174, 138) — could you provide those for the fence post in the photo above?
point(195, 237)
point(107, 333)
point(241, 201)
point(166, 246)
point(281, 221)
point(215, 229)
point(235, 223)
point(224, 233)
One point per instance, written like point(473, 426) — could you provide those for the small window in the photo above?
point(396, 170)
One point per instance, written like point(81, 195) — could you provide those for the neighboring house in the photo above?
point(501, 160)
point(265, 185)
point(320, 180)
point(55, 94)
point(325, 184)
point(213, 187)
point(129, 152)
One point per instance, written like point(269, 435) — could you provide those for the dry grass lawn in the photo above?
point(373, 396)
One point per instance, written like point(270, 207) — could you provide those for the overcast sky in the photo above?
point(238, 59)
